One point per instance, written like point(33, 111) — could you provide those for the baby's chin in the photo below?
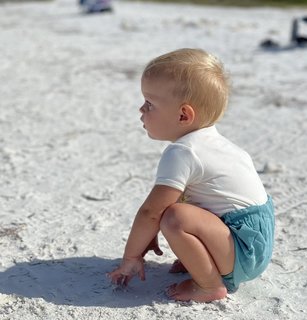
point(151, 136)
point(155, 136)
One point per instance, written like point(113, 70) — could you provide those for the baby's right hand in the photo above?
point(154, 246)
point(127, 270)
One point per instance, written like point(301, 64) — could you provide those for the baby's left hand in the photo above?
point(128, 269)
point(154, 246)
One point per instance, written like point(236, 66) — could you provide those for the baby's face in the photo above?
point(161, 109)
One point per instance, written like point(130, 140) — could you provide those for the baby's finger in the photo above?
point(115, 277)
point(126, 280)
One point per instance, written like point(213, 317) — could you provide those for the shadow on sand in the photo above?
point(82, 281)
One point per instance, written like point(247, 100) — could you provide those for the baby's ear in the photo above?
point(186, 114)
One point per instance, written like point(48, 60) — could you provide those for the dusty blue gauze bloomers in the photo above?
point(252, 229)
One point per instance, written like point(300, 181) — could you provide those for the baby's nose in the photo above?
point(142, 109)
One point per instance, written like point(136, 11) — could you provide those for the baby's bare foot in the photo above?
point(189, 290)
point(177, 267)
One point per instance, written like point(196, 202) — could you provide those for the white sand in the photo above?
point(75, 162)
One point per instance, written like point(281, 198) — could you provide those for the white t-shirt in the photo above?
point(213, 173)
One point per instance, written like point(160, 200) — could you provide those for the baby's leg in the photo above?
point(204, 244)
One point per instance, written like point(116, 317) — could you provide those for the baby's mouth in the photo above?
point(142, 122)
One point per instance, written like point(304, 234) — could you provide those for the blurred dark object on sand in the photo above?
point(295, 37)
point(296, 40)
point(95, 6)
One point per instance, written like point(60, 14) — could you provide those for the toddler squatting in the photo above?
point(208, 200)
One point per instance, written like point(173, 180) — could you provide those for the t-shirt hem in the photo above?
point(170, 184)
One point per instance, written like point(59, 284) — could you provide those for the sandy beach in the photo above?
point(75, 162)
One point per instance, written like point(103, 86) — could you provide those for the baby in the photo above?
point(208, 200)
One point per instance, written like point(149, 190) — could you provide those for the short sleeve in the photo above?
point(178, 167)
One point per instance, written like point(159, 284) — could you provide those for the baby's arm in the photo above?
point(145, 228)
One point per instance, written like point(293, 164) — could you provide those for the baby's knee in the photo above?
point(170, 220)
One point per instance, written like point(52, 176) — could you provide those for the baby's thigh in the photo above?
point(207, 227)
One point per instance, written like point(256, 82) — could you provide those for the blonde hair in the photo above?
point(200, 81)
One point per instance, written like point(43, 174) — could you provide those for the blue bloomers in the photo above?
point(253, 233)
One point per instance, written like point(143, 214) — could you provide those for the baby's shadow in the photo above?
point(82, 281)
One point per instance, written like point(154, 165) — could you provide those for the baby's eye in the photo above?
point(149, 105)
